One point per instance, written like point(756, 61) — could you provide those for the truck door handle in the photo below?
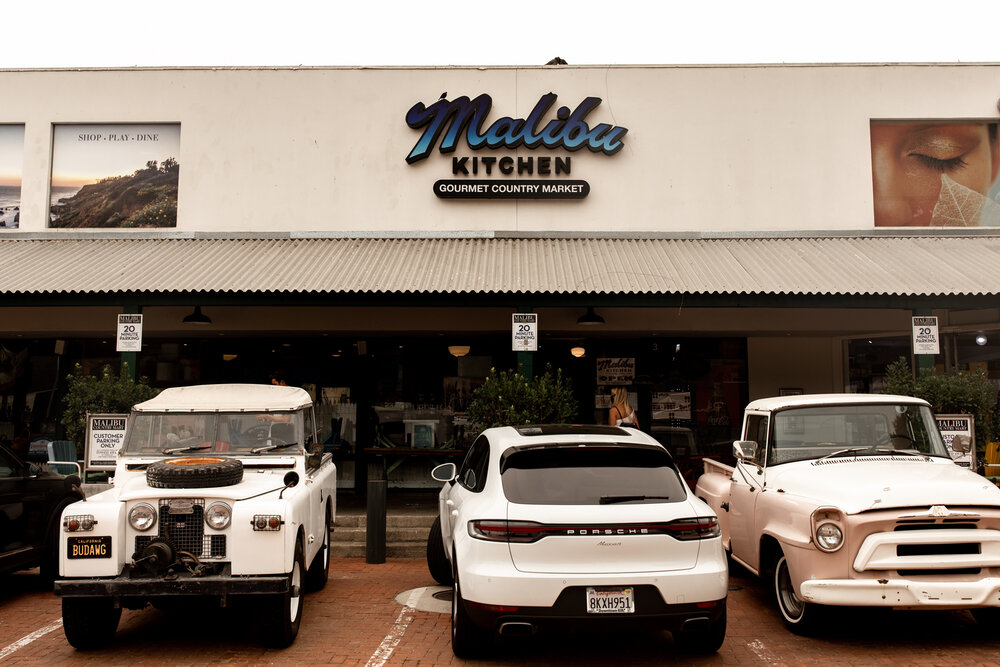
point(724, 506)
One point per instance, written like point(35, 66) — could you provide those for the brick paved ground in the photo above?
point(356, 621)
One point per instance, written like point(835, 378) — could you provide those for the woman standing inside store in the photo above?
point(621, 413)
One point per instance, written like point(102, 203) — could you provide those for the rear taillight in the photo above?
point(697, 528)
point(507, 531)
point(498, 530)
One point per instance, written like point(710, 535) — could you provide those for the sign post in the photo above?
point(130, 339)
point(524, 339)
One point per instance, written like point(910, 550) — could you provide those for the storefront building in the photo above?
point(703, 235)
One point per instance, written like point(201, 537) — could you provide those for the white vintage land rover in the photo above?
point(221, 492)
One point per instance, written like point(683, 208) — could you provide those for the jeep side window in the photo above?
point(756, 430)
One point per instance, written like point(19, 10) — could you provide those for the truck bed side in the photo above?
point(713, 487)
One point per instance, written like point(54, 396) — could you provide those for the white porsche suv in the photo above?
point(575, 527)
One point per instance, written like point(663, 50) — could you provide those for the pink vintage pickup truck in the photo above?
point(853, 500)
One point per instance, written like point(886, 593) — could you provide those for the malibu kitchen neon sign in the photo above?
point(445, 122)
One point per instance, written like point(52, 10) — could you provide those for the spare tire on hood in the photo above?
point(194, 472)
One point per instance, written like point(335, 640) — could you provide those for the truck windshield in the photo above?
point(166, 434)
point(854, 430)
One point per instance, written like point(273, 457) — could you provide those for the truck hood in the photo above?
point(136, 488)
point(869, 483)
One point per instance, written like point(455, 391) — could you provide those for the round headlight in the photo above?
point(829, 537)
point(218, 516)
point(142, 517)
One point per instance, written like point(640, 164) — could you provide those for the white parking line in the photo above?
point(27, 639)
point(391, 641)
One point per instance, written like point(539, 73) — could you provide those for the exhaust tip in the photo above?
point(517, 628)
point(696, 624)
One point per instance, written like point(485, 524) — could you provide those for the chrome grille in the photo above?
point(186, 529)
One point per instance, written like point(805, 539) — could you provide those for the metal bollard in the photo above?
point(375, 534)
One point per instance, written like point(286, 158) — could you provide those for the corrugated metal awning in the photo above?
point(830, 265)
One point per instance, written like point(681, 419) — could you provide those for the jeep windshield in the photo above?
point(831, 431)
point(226, 433)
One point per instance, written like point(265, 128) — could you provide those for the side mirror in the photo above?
point(744, 449)
point(961, 444)
point(444, 472)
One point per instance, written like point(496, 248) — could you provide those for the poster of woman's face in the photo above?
point(936, 173)
point(115, 175)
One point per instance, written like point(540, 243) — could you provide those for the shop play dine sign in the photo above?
point(446, 123)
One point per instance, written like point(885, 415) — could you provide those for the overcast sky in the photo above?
point(112, 33)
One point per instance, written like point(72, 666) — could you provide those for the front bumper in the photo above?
point(903, 593)
point(124, 586)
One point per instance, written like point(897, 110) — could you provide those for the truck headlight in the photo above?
point(218, 516)
point(829, 537)
point(142, 517)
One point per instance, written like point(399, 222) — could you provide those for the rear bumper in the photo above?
point(181, 585)
point(903, 593)
point(491, 578)
point(569, 613)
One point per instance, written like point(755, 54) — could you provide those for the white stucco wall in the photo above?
point(708, 149)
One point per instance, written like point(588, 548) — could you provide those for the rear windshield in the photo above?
point(592, 475)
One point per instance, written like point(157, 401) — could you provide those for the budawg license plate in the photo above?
point(89, 547)
point(610, 601)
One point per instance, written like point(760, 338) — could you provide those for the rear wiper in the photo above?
point(189, 448)
point(267, 448)
point(607, 500)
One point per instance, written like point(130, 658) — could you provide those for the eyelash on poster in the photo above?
point(950, 164)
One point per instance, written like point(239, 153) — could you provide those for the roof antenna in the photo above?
point(557, 61)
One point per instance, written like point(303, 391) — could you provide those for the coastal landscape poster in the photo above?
point(11, 161)
point(114, 175)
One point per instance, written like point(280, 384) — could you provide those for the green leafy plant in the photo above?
point(106, 393)
point(508, 398)
point(950, 393)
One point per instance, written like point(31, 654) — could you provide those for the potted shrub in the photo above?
point(508, 398)
point(105, 393)
point(970, 393)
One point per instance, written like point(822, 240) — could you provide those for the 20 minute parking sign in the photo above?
point(129, 333)
point(524, 332)
point(925, 335)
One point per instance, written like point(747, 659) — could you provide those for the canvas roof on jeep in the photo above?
point(806, 400)
point(227, 398)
